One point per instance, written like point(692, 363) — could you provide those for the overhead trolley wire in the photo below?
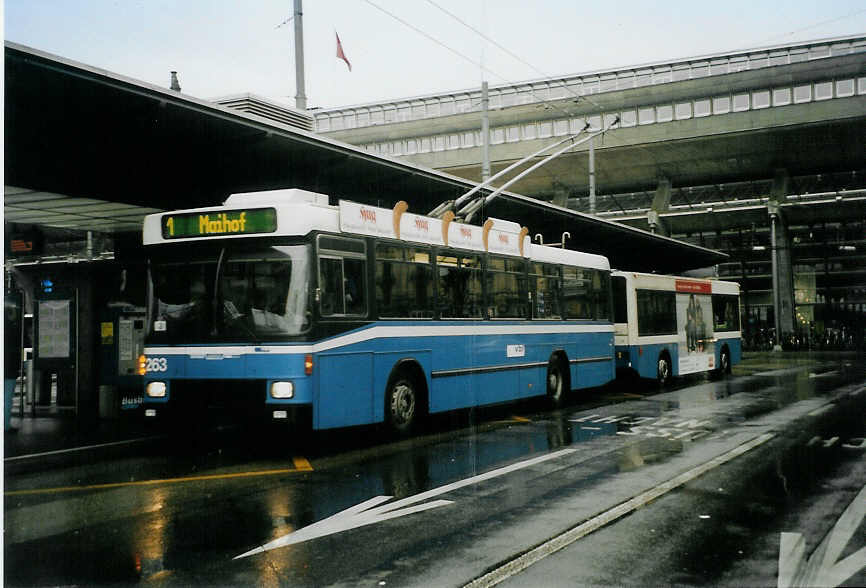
point(513, 55)
point(468, 59)
point(815, 25)
point(531, 66)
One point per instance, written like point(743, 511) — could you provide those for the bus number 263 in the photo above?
point(156, 364)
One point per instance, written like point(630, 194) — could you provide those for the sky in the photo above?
point(402, 48)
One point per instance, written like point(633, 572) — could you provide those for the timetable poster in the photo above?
point(54, 329)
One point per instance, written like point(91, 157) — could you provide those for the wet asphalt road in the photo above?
point(460, 502)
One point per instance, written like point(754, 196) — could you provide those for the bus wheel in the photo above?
point(402, 408)
point(556, 383)
point(664, 370)
point(724, 362)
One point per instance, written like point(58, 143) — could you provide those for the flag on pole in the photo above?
point(340, 54)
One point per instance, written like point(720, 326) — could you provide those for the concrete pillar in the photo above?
point(782, 267)
point(661, 203)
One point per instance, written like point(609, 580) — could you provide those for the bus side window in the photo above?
point(506, 288)
point(354, 289)
point(342, 286)
point(576, 284)
point(601, 295)
point(331, 286)
point(544, 285)
point(459, 285)
point(342, 270)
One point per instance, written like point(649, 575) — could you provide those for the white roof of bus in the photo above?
point(567, 256)
point(300, 212)
point(661, 281)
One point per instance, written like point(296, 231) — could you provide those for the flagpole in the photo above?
point(300, 97)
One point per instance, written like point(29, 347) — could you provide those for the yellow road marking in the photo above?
point(521, 419)
point(301, 465)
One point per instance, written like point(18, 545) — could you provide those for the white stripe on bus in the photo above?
point(377, 332)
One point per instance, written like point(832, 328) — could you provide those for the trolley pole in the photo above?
point(485, 134)
point(300, 97)
point(591, 176)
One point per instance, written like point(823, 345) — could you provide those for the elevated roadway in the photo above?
point(702, 120)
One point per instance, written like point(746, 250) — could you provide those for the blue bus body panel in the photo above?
point(477, 370)
point(351, 370)
point(644, 358)
point(219, 366)
point(346, 387)
point(735, 345)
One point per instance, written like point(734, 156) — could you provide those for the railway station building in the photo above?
point(757, 153)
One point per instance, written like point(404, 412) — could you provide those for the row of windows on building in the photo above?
point(534, 92)
point(827, 240)
point(645, 115)
point(417, 282)
point(614, 206)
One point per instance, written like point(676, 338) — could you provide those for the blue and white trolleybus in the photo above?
point(283, 307)
point(668, 326)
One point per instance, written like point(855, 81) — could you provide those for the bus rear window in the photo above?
point(726, 312)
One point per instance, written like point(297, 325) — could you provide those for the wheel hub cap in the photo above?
point(403, 403)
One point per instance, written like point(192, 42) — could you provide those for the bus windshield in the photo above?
point(231, 292)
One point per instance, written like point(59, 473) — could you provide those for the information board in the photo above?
point(55, 329)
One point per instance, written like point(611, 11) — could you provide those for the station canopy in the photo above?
point(87, 149)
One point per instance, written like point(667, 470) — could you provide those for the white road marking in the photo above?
point(369, 512)
point(79, 449)
point(822, 567)
point(474, 328)
point(824, 374)
point(562, 541)
point(781, 372)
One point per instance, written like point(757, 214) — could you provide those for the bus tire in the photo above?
point(557, 381)
point(663, 370)
point(724, 361)
point(403, 402)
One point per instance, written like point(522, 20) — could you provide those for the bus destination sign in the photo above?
point(219, 223)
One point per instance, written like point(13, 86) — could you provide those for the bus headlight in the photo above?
point(156, 389)
point(282, 390)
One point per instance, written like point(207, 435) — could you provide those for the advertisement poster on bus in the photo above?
point(695, 327)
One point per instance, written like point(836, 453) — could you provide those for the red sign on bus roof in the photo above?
point(691, 287)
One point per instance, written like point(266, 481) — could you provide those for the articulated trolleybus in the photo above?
point(286, 308)
point(669, 326)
